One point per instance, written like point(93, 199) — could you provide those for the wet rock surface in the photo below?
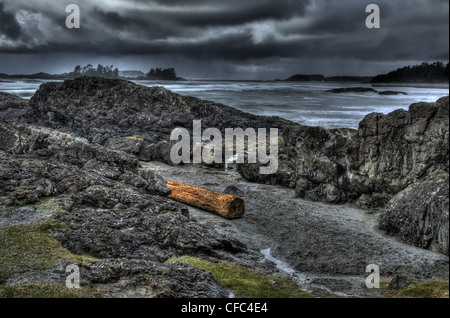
point(322, 246)
point(112, 209)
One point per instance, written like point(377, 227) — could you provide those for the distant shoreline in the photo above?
point(435, 73)
point(390, 84)
point(421, 84)
point(62, 77)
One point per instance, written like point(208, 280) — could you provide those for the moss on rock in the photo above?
point(425, 289)
point(47, 291)
point(30, 247)
point(246, 283)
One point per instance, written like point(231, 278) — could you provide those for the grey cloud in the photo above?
point(8, 24)
point(235, 32)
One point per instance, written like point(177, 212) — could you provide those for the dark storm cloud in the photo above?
point(8, 24)
point(232, 31)
point(203, 13)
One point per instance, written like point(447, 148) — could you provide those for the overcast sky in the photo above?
point(241, 39)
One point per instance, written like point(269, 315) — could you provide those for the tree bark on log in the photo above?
point(225, 205)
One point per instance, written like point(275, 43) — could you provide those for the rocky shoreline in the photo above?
point(326, 246)
point(84, 163)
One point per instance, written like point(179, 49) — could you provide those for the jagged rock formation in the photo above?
point(125, 116)
point(111, 209)
point(419, 216)
point(369, 166)
point(8, 101)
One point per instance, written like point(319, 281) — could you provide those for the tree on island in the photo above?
point(428, 73)
point(77, 70)
point(306, 78)
point(103, 71)
point(162, 74)
point(109, 71)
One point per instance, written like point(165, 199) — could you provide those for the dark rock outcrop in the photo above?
point(8, 101)
point(369, 166)
point(352, 90)
point(400, 282)
point(391, 152)
point(112, 209)
point(418, 215)
point(125, 116)
point(385, 156)
point(12, 106)
point(137, 278)
point(392, 93)
point(363, 90)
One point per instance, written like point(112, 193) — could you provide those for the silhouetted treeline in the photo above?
point(108, 71)
point(435, 72)
point(40, 75)
point(162, 74)
point(306, 78)
point(89, 70)
point(348, 79)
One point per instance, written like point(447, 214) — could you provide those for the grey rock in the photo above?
point(352, 90)
point(419, 215)
point(400, 282)
point(370, 166)
point(21, 215)
point(114, 210)
point(392, 93)
point(137, 278)
point(106, 231)
point(234, 190)
point(10, 102)
point(127, 117)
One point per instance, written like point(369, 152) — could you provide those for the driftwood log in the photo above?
point(225, 205)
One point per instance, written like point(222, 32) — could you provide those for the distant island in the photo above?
point(425, 73)
point(108, 71)
point(436, 72)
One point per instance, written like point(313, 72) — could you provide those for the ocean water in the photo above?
point(305, 103)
